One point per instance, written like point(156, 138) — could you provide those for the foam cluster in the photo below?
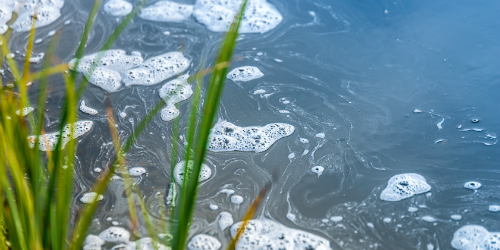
point(6, 9)
point(259, 17)
point(173, 92)
point(225, 220)
point(267, 234)
point(156, 69)
point(47, 12)
point(474, 237)
point(205, 172)
point(107, 69)
point(88, 110)
point(136, 171)
point(90, 197)
point(47, 142)
point(226, 136)
point(24, 111)
point(403, 186)
point(204, 242)
point(118, 7)
point(115, 234)
point(166, 11)
point(245, 74)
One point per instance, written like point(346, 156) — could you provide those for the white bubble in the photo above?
point(428, 218)
point(166, 11)
point(47, 142)
point(291, 156)
point(38, 58)
point(417, 111)
point(90, 197)
point(494, 208)
point(320, 135)
point(387, 220)
point(336, 219)
point(473, 237)
point(225, 220)
point(291, 216)
point(369, 224)
point(118, 7)
point(213, 207)
point(173, 92)
point(237, 199)
point(245, 74)
point(403, 186)
point(318, 170)
point(24, 111)
point(412, 209)
point(47, 12)
point(472, 185)
point(136, 171)
point(456, 217)
point(205, 172)
point(115, 234)
point(145, 243)
point(88, 110)
point(430, 246)
point(204, 242)
point(259, 92)
point(304, 140)
point(226, 136)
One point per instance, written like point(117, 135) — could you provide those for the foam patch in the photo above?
point(173, 92)
point(474, 185)
point(226, 136)
point(47, 142)
point(225, 220)
point(259, 17)
point(136, 171)
point(474, 237)
point(88, 110)
point(237, 199)
point(271, 235)
point(93, 242)
point(403, 186)
point(115, 234)
point(204, 242)
point(205, 172)
point(156, 69)
point(6, 9)
point(47, 12)
point(118, 7)
point(90, 197)
point(166, 11)
point(24, 111)
point(244, 74)
point(146, 243)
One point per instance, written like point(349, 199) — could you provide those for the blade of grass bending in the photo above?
point(188, 198)
point(121, 160)
point(85, 217)
point(26, 68)
point(147, 219)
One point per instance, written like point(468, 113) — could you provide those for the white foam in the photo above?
point(204, 242)
point(387, 220)
point(291, 217)
point(259, 16)
point(6, 9)
point(472, 185)
point(227, 191)
point(336, 219)
point(205, 172)
point(88, 110)
point(237, 199)
point(118, 7)
point(404, 186)
point(93, 242)
point(304, 140)
point(318, 170)
point(245, 74)
point(213, 207)
point(474, 237)
point(90, 197)
point(173, 92)
point(291, 156)
point(271, 235)
point(47, 142)
point(145, 243)
point(494, 208)
point(115, 234)
point(225, 220)
point(412, 209)
point(38, 58)
point(428, 218)
point(226, 136)
point(456, 217)
point(259, 92)
point(320, 135)
point(369, 224)
point(156, 69)
point(136, 171)
point(166, 11)
point(47, 12)
point(24, 111)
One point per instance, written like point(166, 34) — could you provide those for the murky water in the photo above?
point(373, 88)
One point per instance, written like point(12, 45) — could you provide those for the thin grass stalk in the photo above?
point(147, 219)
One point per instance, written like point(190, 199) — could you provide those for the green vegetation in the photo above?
point(36, 186)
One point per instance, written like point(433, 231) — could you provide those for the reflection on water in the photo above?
point(373, 89)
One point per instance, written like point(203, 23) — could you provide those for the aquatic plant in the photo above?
point(36, 187)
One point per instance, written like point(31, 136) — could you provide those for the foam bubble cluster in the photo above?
point(205, 172)
point(47, 142)
point(226, 136)
point(472, 185)
point(47, 12)
point(259, 17)
point(24, 111)
point(93, 242)
point(225, 220)
point(145, 243)
point(88, 110)
point(6, 9)
point(267, 234)
point(106, 73)
point(115, 234)
point(166, 11)
point(118, 7)
point(204, 242)
point(474, 237)
point(136, 171)
point(90, 197)
point(403, 186)
point(173, 92)
point(245, 74)
point(156, 69)
point(237, 199)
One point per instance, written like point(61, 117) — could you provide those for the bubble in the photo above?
point(387, 220)
point(166, 11)
point(173, 92)
point(93, 242)
point(136, 171)
point(472, 185)
point(225, 220)
point(38, 58)
point(213, 207)
point(259, 92)
point(47, 142)
point(318, 170)
point(226, 136)
point(118, 7)
point(456, 217)
point(259, 16)
point(404, 186)
point(369, 224)
point(245, 74)
point(237, 199)
point(412, 209)
point(472, 237)
point(320, 135)
point(291, 216)
point(25, 111)
point(47, 12)
point(204, 242)
point(205, 172)
point(88, 110)
point(291, 156)
point(336, 219)
point(145, 243)
point(90, 197)
point(494, 208)
point(428, 218)
point(474, 120)
point(304, 140)
point(115, 234)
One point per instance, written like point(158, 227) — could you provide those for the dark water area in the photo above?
point(395, 86)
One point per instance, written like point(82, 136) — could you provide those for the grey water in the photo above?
point(395, 86)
